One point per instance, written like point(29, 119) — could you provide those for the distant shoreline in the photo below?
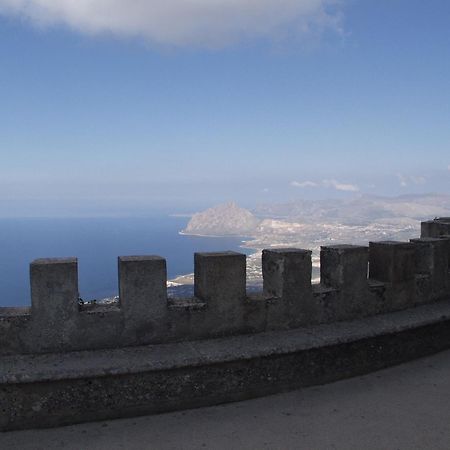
point(186, 279)
point(183, 233)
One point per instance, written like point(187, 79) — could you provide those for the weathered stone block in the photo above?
point(344, 266)
point(219, 275)
point(220, 281)
point(54, 302)
point(391, 261)
point(287, 285)
point(327, 303)
point(435, 228)
point(286, 272)
point(431, 258)
point(143, 294)
point(446, 239)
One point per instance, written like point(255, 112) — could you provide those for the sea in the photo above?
point(96, 242)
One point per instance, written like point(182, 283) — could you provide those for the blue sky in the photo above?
point(150, 106)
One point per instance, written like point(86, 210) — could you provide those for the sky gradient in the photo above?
point(174, 109)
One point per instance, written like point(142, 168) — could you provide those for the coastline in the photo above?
point(254, 269)
point(188, 279)
point(183, 233)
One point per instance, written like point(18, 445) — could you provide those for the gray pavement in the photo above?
point(404, 407)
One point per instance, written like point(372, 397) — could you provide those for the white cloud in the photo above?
point(340, 186)
point(406, 180)
point(303, 184)
point(418, 179)
point(333, 184)
point(402, 180)
point(204, 23)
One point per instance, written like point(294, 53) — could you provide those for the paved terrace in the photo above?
point(403, 407)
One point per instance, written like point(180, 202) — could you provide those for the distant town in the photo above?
point(308, 224)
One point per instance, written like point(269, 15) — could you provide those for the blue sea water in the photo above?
point(97, 243)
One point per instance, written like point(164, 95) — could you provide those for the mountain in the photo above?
point(311, 224)
point(362, 210)
point(223, 220)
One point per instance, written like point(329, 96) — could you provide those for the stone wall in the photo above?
point(356, 282)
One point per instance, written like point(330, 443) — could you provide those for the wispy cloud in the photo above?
point(303, 184)
point(406, 180)
point(205, 23)
point(341, 186)
point(331, 184)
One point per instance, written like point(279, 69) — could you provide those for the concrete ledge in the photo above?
point(62, 388)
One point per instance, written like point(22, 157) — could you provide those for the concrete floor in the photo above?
point(405, 407)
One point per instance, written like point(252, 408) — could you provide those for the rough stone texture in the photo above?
point(446, 239)
point(404, 407)
point(55, 389)
point(220, 283)
point(54, 302)
point(287, 286)
point(14, 326)
point(286, 272)
point(392, 263)
point(431, 258)
point(326, 301)
point(344, 267)
point(143, 295)
point(436, 227)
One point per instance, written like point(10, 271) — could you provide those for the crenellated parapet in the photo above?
point(356, 282)
point(63, 362)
